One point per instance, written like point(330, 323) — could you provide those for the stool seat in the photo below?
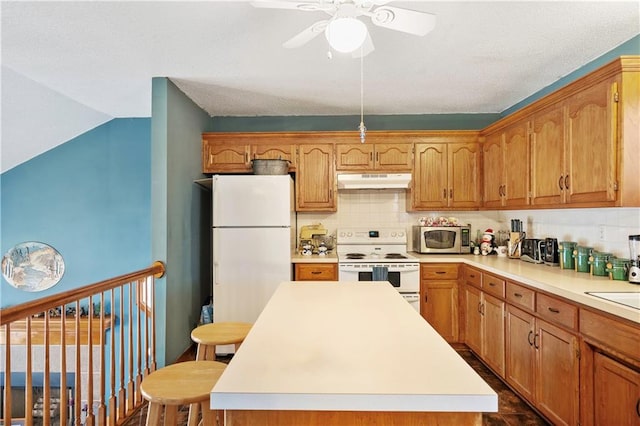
point(208, 336)
point(178, 384)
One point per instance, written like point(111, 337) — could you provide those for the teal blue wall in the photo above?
point(180, 215)
point(351, 122)
point(630, 47)
point(88, 198)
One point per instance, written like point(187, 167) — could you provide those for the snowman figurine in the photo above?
point(488, 243)
point(307, 250)
point(322, 249)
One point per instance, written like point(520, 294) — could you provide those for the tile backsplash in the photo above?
point(605, 229)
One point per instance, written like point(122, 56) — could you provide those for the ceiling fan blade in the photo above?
point(283, 4)
point(405, 20)
point(306, 35)
point(367, 47)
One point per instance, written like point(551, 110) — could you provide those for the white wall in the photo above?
point(387, 208)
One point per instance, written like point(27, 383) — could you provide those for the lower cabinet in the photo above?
point(439, 298)
point(616, 392)
point(557, 374)
point(315, 271)
point(484, 327)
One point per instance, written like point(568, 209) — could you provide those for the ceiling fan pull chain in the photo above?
point(361, 127)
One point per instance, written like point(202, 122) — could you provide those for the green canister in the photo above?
point(598, 262)
point(566, 249)
point(581, 256)
point(618, 269)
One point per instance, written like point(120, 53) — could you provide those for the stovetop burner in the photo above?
point(355, 255)
point(395, 256)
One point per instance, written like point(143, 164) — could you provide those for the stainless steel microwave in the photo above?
point(442, 239)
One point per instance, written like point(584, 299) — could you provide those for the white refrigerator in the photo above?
point(254, 234)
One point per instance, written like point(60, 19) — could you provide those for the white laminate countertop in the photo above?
point(345, 346)
point(566, 283)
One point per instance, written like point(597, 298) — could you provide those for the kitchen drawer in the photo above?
point(440, 271)
point(610, 333)
point(473, 276)
point(520, 296)
point(316, 271)
point(558, 311)
point(493, 285)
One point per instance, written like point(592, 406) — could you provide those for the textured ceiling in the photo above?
point(228, 57)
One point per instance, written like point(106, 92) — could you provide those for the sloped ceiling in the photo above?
point(69, 66)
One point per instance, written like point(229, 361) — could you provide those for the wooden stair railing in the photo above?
point(85, 351)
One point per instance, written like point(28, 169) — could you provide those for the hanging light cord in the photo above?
point(361, 127)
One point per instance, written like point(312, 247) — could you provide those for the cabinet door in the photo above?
point(520, 354)
point(492, 153)
point(473, 319)
point(616, 393)
point(430, 188)
point(315, 180)
point(393, 157)
point(275, 152)
point(440, 307)
point(557, 373)
point(547, 157)
point(516, 165)
point(225, 158)
point(354, 157)
point(493, 333)
point(591, 145)
point(463, 171)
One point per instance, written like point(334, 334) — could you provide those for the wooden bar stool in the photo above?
point(184, 383)
point(208, 336)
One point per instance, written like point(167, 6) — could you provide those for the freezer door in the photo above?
point(248, 265)
point(252, 200)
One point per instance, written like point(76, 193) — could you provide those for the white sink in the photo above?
point(628, 298)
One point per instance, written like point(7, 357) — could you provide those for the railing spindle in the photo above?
point(113, 408)
point(63, 367)
point(131, 389)
point(139, 347)
point(28, 379)
point(77, 401)
point(46, 380)
point(90, 413)
point(7, 376)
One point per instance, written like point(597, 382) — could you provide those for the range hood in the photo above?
point(374, 181)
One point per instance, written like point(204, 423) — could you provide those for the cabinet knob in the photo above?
point(566, 182)
point(315, 272)
point(554, 310)
point(518, 295)
point(529, 338)
point(560, 183)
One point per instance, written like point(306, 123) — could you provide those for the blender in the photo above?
point(634, 267)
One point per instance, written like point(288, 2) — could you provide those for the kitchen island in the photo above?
point(329, 353)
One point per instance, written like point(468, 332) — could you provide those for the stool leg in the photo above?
point(171, 415)
point(208, 415)
point(194, 410)
point(154, 411)
point(201, 352)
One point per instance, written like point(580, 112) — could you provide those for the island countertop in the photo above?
point(342, 346)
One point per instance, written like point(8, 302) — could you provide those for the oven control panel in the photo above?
point(372, 236)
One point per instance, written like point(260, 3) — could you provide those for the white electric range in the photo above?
point(379, 254)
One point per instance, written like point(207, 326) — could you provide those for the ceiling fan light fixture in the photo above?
point(346, 34)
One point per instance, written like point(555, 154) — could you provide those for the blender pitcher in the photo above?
point(634, 251)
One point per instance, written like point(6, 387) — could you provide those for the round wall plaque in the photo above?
point(32, 266)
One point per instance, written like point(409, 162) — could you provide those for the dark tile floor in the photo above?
point(512, 410)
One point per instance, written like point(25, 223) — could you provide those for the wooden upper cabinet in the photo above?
point(547, 157)
point(506, 167)
point(368, 157)
point(275, 152)
point(430, 188)
point(315, 178)
point(493, 160)
point(445, 175)
point(224, 157)
point(591, 118)
point(463, 175)
point(516, 165)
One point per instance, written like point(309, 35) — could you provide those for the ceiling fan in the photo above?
point(344, 15)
